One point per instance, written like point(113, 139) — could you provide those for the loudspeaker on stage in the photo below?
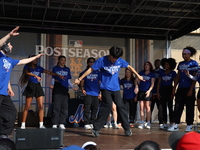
point(26, 139)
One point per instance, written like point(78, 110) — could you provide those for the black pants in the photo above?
point(107, 98)
point(131, 107)
point(167, 101)
point(7, 115)
point(91, 103)
point(155, 100)
point(59, 104)
point(181, 100)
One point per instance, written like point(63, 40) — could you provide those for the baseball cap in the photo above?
point(88, 143)
point(174, 139)
point(72, 147)
point(190, 140)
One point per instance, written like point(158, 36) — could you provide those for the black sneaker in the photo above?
point(115, 126)
point(128, 132)
point(95, 133)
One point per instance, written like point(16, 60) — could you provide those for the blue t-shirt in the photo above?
point(184, 81)
point(109, 72)
point(145, 85)
point(157, 72)
point(63, 71)
point(6, 64)
point(167, 79)
point(37, 71)
point(92, 83)
point(128, 89)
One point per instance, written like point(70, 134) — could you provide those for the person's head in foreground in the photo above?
point(184, 141)
point(148, 145)
point(90, 145)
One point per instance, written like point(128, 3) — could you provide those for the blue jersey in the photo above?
point(63, 71)
point(109, 72)
point(145, 85)
point(6, 64)
point(184, 81)
point(37, 71)
point(157, 72)
point(92, 83)
point(128, 89)
point(167, 79)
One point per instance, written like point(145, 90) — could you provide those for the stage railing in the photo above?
point(20, 101)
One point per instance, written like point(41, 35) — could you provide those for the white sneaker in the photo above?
point(23, 127)
point(42, 127)
point(148, 125)
point(174, 127)
point(141, 126)
point(87, 127)
point(108, 125)
point(91, 125)
point(164, 127)
point(188, 128)
point(62, 126)
point(54, 126)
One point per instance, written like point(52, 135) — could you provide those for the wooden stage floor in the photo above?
point(114, 139)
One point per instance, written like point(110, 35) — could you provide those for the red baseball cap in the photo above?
point(189, 141)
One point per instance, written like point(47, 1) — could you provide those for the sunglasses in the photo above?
point(91, 61)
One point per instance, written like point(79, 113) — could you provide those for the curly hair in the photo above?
point(171, 61)
point(191, 49)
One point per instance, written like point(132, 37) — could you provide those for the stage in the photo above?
point(114, 139)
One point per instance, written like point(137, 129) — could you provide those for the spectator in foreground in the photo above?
point(72, 147)
point(184, 141)
point(148, 145)
point(90, 145)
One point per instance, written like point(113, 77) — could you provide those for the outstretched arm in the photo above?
point(191, 76)
point(9, 35)
point(77, 81)
point(28, 60)
point(135, 72)
point(53, 74)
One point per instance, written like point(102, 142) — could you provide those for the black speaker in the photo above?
point(38, 138)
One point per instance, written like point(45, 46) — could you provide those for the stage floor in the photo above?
point(114, 139)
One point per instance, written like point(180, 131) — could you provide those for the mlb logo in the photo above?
point(75, 43)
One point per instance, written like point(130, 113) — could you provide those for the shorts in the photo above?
point(142, 96)
point(33, 90)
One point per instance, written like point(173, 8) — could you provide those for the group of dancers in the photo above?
point(170, 90)
point(100, 80)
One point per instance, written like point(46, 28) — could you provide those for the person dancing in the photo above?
point(129, 96)
point(145, 93)
point(7, 108)
point(164, 89)
point(185, 93)
point(110, 87)
point(90, 87)
point(32, 74)
point(60, 95)
point(195, 78)
point(154, 99)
